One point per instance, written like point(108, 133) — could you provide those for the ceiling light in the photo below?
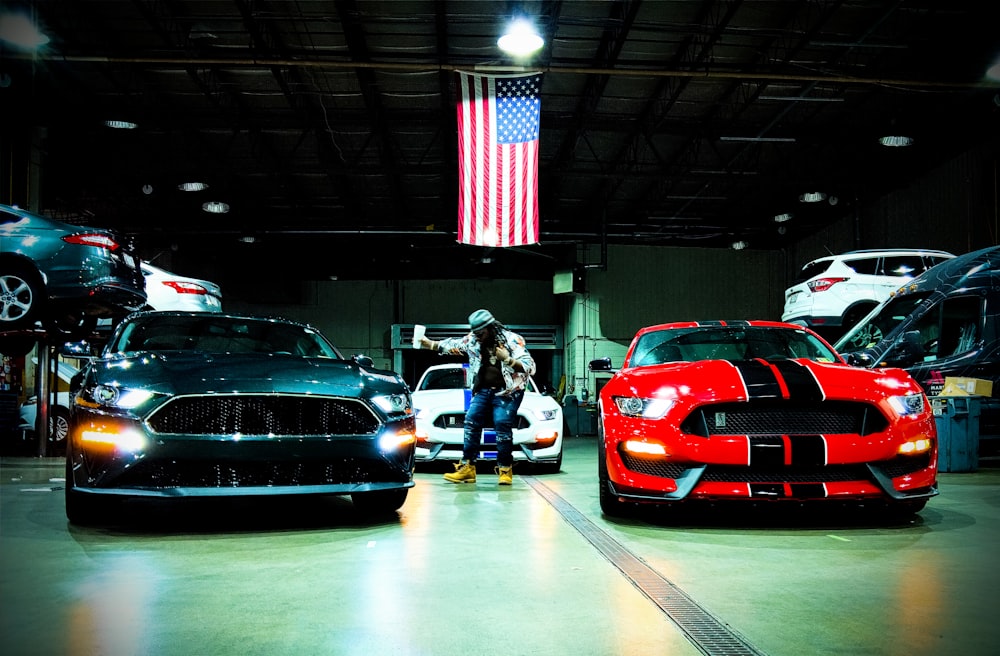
point(801, 98)
point(993, 72)
point(147, 189)
point(781, 218)
point(120, 125)
point(215, 207)
point(760, 139)
point(192, 186)
point(521, 39)
point(812, 197)
point(249, 239)
point(896, 141)
point(739, 245)
point(18, 30)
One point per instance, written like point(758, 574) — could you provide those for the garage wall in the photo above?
point(357, 315)
point(951, 208)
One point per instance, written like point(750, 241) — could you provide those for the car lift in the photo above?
point(43, 374)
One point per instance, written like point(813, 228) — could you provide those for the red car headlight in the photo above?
point(633, 406)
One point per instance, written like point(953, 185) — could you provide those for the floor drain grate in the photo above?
point(706, 632)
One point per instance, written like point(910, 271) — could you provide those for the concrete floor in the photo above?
point(477, 569)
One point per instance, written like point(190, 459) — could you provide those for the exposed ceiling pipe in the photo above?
point(624, 72)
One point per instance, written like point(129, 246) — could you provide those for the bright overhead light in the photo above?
point(781, 218)
point(18, 30)
point(993, 72)
point(760, 139)
point(120, 125)
point(192, 186)
point(521, 39)
point(739, 245)
point(896, 141)
point(215, 207)
point(812, 197)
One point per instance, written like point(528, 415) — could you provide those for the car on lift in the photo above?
point(758, 411)
point(195, 404)
point(62, 277)
point(166, 290)
point(440, 400)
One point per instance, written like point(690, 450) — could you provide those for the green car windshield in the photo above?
point(220, 334)
point(728, 343)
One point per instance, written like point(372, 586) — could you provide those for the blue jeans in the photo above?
point(504, 411)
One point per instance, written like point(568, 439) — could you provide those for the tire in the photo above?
point(555, 466)
point(22, 297)
point(72, 326)
point(906, 508)
point(81, 509)
point(58, 430)
point(381, 502)
point(16, 347)
point(610, 505)
point(854, 315)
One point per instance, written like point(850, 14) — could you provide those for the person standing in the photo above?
point(499, 366)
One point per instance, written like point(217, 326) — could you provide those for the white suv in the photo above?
point(837, 291)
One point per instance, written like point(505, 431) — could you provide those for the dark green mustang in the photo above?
point(181, 404)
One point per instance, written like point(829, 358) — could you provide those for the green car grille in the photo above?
point(263, 414)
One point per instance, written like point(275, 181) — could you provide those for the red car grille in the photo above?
point(768, 417)
point(815, 474)
point(263, 415)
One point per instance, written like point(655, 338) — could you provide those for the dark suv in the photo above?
point(62, 275)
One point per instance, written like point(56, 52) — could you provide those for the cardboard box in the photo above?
point(959, 386)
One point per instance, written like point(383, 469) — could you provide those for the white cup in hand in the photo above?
point(418, 334)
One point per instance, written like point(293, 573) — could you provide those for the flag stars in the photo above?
point(518, 109)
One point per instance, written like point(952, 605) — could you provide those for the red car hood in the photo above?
point(709, 381)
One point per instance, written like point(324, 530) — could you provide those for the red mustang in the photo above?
point(758, 410)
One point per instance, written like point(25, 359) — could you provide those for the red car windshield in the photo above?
point(727, 343)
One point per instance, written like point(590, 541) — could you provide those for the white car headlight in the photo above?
point(907, 406)
point(546, 415)
point(633, 406)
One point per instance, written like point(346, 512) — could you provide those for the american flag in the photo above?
point(498, 159)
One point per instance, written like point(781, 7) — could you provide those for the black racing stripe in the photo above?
point(808, 450)
point(802, 385)
point(759, 378)
point(808, 491)
point(767, 491)
point(767, 452)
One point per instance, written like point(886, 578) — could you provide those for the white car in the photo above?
point(839, 290)
point(169, 291)
point(58, 414)
point(440, 400)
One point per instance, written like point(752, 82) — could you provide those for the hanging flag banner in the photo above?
point(498, 119)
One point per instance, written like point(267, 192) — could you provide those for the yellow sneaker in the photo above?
point(465, 472)
point(506, 475)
